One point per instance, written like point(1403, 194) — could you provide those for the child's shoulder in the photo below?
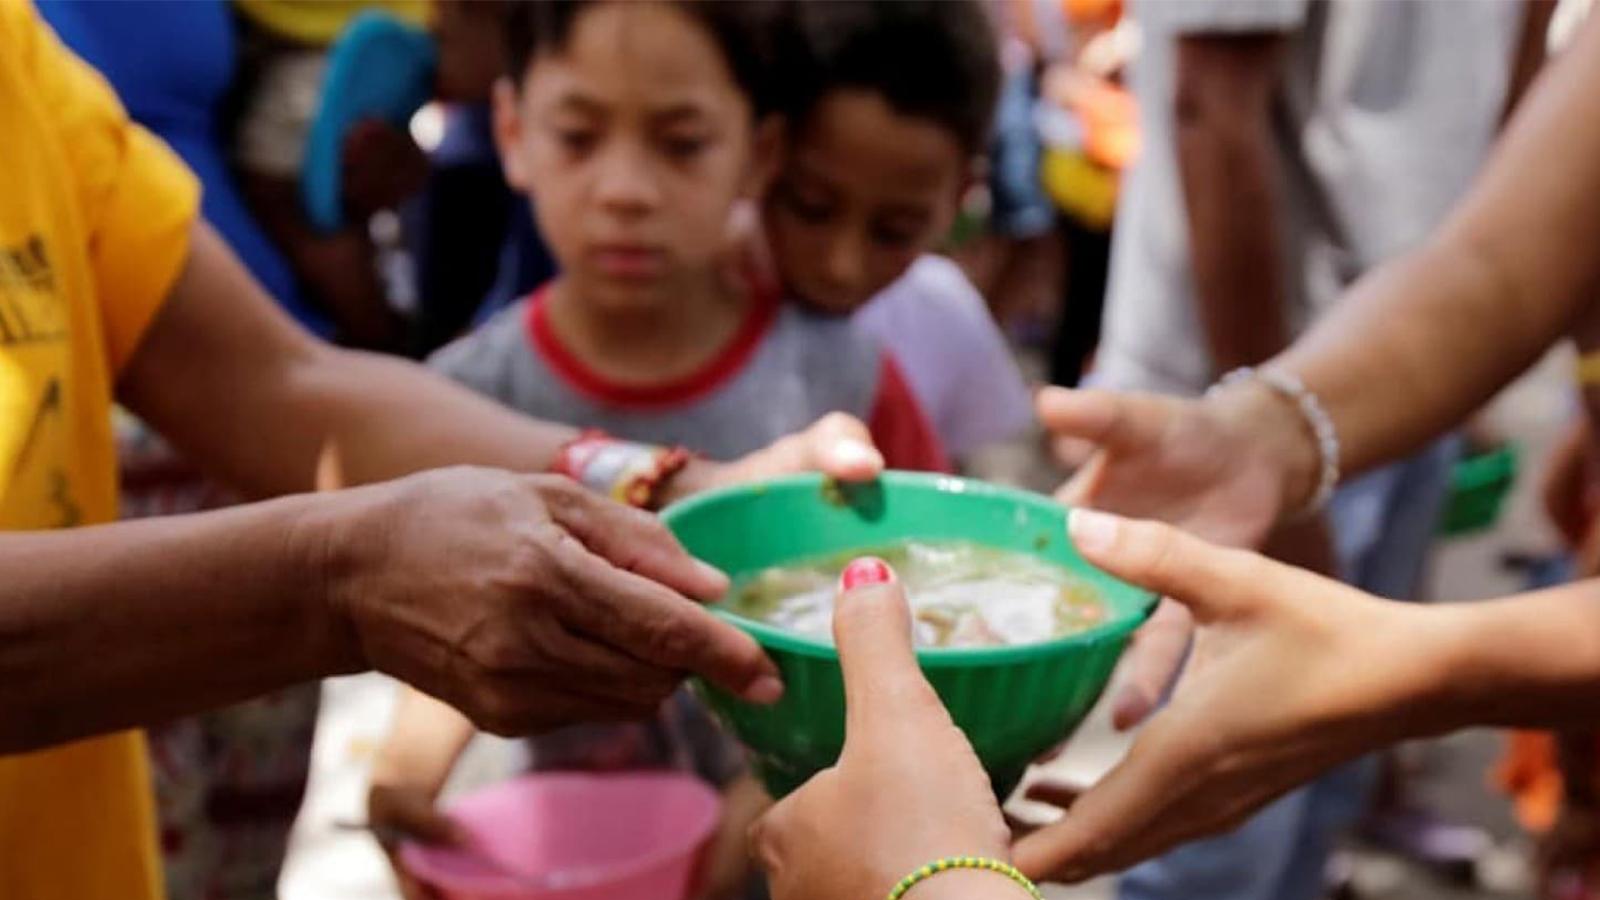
point(829, 340)
point(936, 287)
point(479, 356)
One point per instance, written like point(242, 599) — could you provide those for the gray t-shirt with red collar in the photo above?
point(785, 368)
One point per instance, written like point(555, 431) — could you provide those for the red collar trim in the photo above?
point(716, 371)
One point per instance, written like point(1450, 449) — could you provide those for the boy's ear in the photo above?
point(766, 157)
point(508, 133)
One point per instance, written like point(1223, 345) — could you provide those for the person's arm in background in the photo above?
point(425, 740)
point(339, 270)
point(1222, 109)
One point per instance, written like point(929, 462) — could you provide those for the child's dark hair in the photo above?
point(932, 59)
point(742, 30)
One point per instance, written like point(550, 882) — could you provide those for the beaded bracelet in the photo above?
point(950, 863)
point(628, 472)
point(1315, 417)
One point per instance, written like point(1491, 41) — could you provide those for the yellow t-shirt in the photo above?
point(95, 215)
point(318, 23)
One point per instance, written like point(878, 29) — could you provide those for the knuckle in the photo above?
point(539, 559)
point(1157, 547)
point(558, 491)
point(672, 639)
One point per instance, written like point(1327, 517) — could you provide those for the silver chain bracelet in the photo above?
point(1316, 418)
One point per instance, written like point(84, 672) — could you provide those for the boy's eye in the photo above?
point(577, 141)
point(894, 238)
point(684, 147)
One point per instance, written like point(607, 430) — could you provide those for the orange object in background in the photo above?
point(1531, 774)
point(1110, 122)
point(1092, 13)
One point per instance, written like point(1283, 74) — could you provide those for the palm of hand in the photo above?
point(1177, 461)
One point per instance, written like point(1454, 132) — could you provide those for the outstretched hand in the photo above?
point(1293, 673)
point(1224, 468)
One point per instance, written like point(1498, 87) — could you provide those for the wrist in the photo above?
point(1528, 661)
point(1468, 657)
point(696, 476)
point(327, 545)
point(1278, 434)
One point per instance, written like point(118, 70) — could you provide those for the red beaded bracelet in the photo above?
point(626, 471)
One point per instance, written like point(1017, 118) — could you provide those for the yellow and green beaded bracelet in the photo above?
point(950, 863)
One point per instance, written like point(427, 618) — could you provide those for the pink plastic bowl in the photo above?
point(568, 836)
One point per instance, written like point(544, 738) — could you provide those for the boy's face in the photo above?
point(865, 190)
point(633, 142)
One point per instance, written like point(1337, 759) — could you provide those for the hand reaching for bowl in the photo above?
point(1226, 468)
point(907, 789)
point(526, 602)
point(1292, 674)
point(837, 445)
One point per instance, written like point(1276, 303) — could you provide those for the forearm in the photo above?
point(274, 411)
point(231, 381)
point(427, 738)
point(1228, 170)
point(366, 418)
point(98, 625)
point(1526, 661)
point(1420, 345)
point(381, 418)
point(1425, 340)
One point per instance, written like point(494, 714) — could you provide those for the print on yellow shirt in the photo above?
point(30, 313)
point(94, 222)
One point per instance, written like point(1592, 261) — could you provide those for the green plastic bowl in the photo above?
point(1014, 703)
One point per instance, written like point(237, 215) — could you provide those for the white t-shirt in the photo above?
point(962, 372)
point(1386, 112)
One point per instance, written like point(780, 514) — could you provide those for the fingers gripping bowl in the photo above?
point(1014, 702)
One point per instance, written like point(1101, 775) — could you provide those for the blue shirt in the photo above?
point(172, 64)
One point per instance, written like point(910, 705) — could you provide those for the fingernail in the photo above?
point(863, 571)
point(854, 453)
point(766, 690)
point(1091, 530)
